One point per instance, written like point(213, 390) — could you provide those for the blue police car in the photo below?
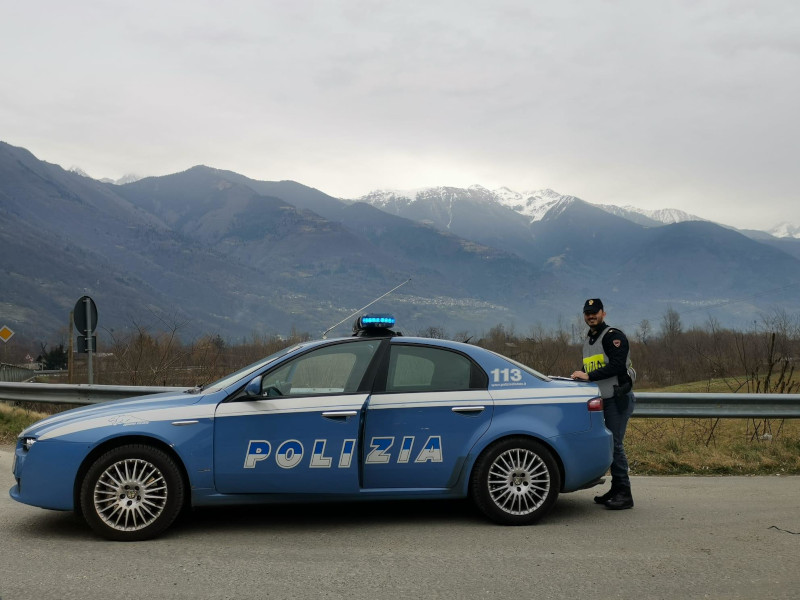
point(376, 415)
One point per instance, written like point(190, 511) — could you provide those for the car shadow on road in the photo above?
point(331, 515)
point(364, 515)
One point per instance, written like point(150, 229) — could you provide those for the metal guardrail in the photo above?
point(648, 404)
point(63, 393)
point(731, 406)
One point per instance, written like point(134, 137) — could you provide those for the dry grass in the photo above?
point(13, 420)
point(726, 385)
point(710, 386)
point(713, 446)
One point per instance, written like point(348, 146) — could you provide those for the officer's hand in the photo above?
point(580, 376)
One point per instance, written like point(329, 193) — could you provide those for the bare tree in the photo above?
point(433, 331)
point(643, 331)
point(671, 325)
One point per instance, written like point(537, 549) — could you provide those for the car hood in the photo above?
point(129, 411)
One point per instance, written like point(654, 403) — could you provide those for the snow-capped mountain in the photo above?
point(78, 171)
point(667, 216)
point(473, 213)
point(397, 201)
point(785, 230)
point(664, 216)
point(127, 178)
point(533, 205)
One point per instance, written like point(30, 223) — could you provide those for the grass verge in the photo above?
point(13, 420)
point(713, 446)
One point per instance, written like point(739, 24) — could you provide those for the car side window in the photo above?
point(334, 369)
point(426, 369)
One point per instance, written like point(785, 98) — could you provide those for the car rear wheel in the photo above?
point(132, 493)
point(515, 482)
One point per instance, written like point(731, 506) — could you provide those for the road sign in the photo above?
point(5, 333)
point(83, 346)
point(85, 323)
point(85, 318)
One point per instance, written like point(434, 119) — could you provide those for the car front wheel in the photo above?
point(132, 493)
point(515, 481)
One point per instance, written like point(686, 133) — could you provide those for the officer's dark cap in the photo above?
point(593, 305)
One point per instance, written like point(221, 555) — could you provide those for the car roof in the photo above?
point(475, 352)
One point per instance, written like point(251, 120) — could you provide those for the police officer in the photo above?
point(607, 362)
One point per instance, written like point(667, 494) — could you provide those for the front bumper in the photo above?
point(45, 474)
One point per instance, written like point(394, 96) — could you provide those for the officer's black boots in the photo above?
point(607, 496)
point(622, 499)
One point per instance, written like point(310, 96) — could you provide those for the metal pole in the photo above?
point(71, 355)
point(89, 337)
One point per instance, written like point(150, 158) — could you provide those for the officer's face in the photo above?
point(594, 319)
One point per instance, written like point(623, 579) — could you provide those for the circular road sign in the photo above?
point(79, 315)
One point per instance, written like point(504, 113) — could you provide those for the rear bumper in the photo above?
point(586, 455)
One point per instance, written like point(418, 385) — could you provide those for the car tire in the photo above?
point(515, 481)
point(132, 493)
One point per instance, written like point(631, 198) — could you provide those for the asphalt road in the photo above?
point(687, 537)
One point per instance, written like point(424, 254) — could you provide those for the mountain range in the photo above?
point(209, 251)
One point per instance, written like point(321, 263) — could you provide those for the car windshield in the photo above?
point(245, 371)
point(525, 368)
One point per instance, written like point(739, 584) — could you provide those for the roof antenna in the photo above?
point(327, 331)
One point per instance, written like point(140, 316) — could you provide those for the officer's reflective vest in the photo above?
point(593, 360)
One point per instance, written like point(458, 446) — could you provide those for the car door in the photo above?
point(301, 434)
point(432, 407)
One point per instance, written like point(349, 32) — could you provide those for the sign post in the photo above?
point(85, 317)
point(70, 356)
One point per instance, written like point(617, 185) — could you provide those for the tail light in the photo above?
point(595, 404)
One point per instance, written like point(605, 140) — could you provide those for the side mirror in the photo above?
point(254, 387)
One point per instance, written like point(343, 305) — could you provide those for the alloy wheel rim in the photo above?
point(130, 494)
point(519, 481)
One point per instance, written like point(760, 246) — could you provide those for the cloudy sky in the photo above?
point(691, 104)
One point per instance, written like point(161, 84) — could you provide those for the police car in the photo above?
point(376, 415)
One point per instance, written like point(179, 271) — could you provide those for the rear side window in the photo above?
point(426, 369)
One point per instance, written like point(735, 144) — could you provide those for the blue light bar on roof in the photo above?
point(374, 321)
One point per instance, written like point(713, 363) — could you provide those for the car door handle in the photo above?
point(339, 414)
point(468, 409)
